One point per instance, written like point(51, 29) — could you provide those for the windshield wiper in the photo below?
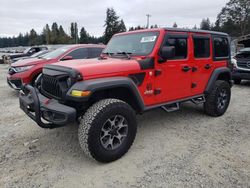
point(125, 53)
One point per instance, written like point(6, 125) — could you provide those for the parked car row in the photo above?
point(25, 71)
point(137, 71)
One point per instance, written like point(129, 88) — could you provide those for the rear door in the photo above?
point(174, 82)
point(202, 62)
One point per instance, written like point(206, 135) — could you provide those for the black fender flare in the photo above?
point(215, 75)
point(101, 84)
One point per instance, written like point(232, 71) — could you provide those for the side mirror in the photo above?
point(65, 58)
point(31, 52)
point(167, 52)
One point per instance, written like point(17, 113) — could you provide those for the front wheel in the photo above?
point(217, 101)
point(107, 130)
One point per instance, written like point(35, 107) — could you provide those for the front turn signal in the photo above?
point(77, 93)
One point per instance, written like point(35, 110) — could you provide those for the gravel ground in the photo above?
point(179, 149)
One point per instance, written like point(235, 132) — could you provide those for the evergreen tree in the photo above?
point(205, 24)
point(46, 34)
point(175, 25)
point(62, 37)
point(234, 18)
point(84, 36)
point(32, 37)
point(122, 27)
point(74, 32)
point(54, 33)
point(131, 29)
point(112, 24)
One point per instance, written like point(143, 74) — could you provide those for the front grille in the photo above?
point(53, 86)
point(243, 64)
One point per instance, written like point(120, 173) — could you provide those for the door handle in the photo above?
point(207, 66)
point(186, 68)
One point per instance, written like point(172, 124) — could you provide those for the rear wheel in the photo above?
point(217, 101)
point(107, 130)
point(237, 81)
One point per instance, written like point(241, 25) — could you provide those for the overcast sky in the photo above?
point(21, 15)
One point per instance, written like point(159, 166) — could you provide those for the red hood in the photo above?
point(30, 61)
point(94, 67)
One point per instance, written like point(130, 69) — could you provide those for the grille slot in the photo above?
point(53, 86)
point(243, 64)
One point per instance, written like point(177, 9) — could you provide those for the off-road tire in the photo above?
point(237, 81)
point(91, 124)
point(211, 105)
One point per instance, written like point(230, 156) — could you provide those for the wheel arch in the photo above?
point(222, 73)
point(122, 88)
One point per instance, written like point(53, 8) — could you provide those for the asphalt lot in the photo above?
point(179, 149)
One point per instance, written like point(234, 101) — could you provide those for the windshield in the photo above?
point(26, 50)
point(39, 54)
point(135, 44)
point(56, 53)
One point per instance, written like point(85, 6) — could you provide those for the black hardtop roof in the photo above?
point(196, 31)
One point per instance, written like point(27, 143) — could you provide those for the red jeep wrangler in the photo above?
point(137, 71)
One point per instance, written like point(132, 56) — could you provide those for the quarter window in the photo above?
point(201, 47)
point(221, 47)
point(81, 53)
point(180, 45)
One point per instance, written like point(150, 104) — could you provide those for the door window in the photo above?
point(221, 47)
point(95, 52)
point(80, 53)
point(180, 45)
point(201, 47)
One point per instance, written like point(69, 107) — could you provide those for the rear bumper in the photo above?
point(47, 113)
point(240, 74)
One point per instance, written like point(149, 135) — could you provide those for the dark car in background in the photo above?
point(26, 71)
point(38, 54)
point(28, 52)
point(241, 64)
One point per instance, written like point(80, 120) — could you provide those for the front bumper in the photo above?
point(47, 113)
point(241, 74)
point(15, 83)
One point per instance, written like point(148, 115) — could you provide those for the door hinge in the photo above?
point(194, 69)
point(157, 91)
point(158, 72)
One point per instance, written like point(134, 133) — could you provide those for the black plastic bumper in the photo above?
point(238, 74)
point(15, 84)
point(47, 113)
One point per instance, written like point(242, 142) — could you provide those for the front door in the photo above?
point(173, 76)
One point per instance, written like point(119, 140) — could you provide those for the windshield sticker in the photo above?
point(148, 39)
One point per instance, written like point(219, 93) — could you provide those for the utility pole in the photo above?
point(148, 16)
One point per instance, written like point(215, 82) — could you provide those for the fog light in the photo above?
point(76, 93)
